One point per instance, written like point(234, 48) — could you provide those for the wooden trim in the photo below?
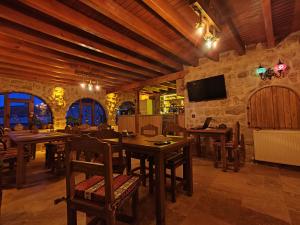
point(267, 16)
point(150, 82)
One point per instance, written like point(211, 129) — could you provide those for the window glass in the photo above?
point(19, 95)
point(42, 112)
point(19, 114)
point(2, 110)
point(86, 116)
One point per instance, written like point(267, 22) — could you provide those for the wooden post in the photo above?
point(137, 112)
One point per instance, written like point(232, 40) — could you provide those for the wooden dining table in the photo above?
point(147, 146)
point(216, 133)
point(26, 137)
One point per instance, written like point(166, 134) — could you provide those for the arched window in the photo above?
point(17, 108)
point(86, 111)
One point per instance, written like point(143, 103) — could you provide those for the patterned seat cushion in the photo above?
point(8, 154)
point(93, 188)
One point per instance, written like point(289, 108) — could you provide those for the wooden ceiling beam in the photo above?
point(10, 75)
point(36, 61)
point(46, 28)
point(79, 20)
point(63, 60)
point(120, 15)
point(27, 67)
point(41, 76)
point(175, 19)
point(151, 82)
point(267, 15)
point(7, 29)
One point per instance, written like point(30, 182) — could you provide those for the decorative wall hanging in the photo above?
point(278, 71)
point(57, 97)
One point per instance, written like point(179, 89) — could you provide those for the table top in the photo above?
point(209, 131)
point(28, 136)
point(141, 141)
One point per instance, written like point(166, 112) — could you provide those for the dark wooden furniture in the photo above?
point(118, 160)
point(101, 193)
point(148, 130)
point(144, 145)
point(22, 138)
point(176, 159)
point(216, 133)
point(232, 151)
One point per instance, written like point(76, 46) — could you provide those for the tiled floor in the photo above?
point(257, 195)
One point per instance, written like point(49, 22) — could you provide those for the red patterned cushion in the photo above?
point(93, 188)
point(9, 154)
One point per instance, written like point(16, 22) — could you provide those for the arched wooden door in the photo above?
point(274, 107)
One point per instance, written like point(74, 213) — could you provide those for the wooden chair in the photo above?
point(148, 131)
point(104, 126)
point(118, 161)
point(18, 127)
point(101, 194)
point(175, 160)
point(233, 148)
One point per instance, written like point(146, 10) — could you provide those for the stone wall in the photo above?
point(45, 92)
point(239, 72)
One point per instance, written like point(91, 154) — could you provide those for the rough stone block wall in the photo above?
point(241, 82)
point(45, 91)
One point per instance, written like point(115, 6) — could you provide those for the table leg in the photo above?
point(160, 189)
point(20, 173)
point(223, 151)
point(128, 162)
point(188, 169)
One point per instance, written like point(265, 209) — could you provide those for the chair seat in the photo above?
point(93, 188)
point(174, 160)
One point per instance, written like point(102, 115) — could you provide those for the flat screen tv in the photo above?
point(211, 88)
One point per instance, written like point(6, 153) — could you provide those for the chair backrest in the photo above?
point(149, 130)
point(174, 129)
point(104, 126)
point(107, 133)
point(91, 146)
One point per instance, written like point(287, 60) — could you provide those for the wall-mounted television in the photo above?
point(211, 88)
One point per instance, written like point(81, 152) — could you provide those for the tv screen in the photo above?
point(207, 89)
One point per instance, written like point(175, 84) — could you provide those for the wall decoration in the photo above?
point(57, 97)
point(278, 71)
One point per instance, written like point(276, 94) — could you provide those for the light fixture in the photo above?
point(279, 69)
point(268, 73)
point(200, 28)
point(90, 85)
point(206, 27)
point(83, 85)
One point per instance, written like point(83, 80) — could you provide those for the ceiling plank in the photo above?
point(30, 59)
point(7, 29)
point(151, 82)
point(62, 61)
point(46, 28)
point(175, 19)
point(74, 18)
point(119, 14)
point(27, 67)
point(267, 15)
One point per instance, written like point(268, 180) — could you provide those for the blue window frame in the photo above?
point(86, 111)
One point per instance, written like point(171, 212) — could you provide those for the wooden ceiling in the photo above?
point(121, 42)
